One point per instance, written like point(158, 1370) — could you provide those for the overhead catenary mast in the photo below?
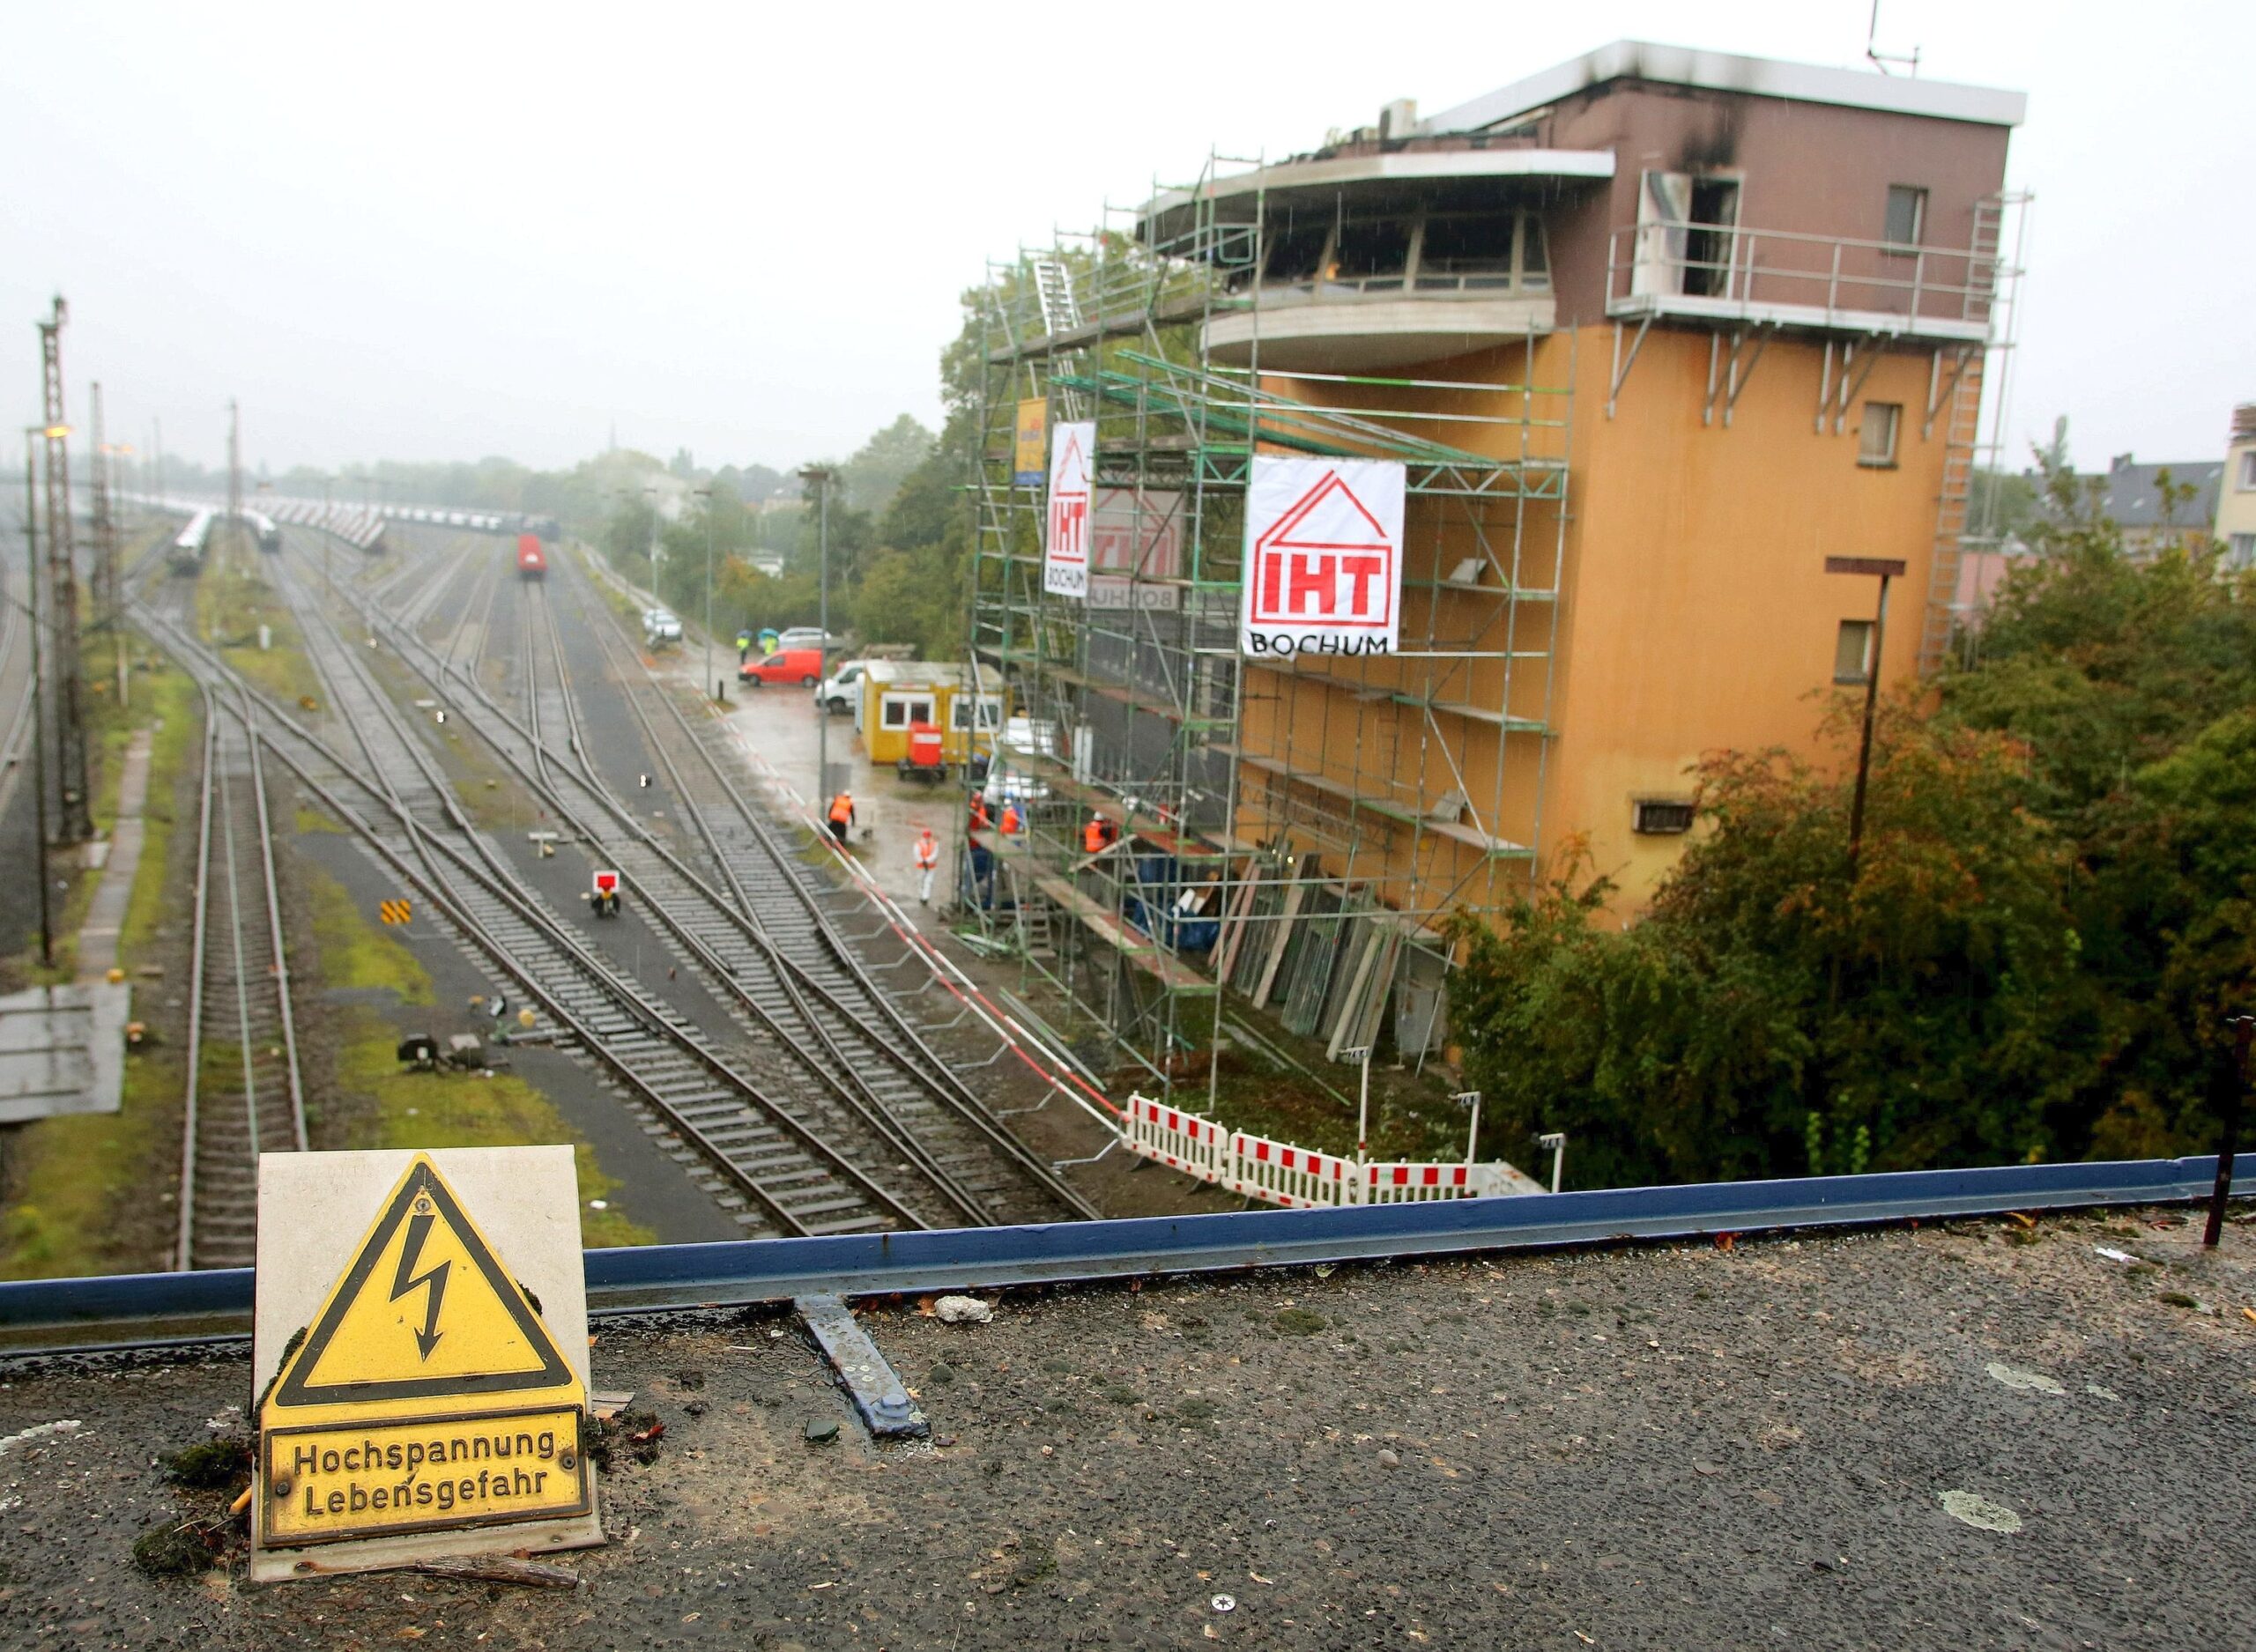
point(75, 823)
point(106, 591)
point(234, 469)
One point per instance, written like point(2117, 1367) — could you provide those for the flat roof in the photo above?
point(1724, 71)
point(1410, 166)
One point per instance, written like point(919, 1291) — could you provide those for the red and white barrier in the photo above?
point(1295, 1177)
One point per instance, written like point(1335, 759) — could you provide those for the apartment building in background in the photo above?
point(1653, 334)
point(2236, 512)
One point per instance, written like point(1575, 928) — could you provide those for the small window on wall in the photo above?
point(2240, 554)
point(2248, 471)
point(894, 712)
point(1876, 435)
point(920, 711)
point(1907, 217)
point(960, 712)
point(1661, 817)
point(1852, 651)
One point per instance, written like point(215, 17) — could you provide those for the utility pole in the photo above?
point(107, 603)
point(39, 696)
point(706, 493)
point(820, 475)
point(234, 470)
point(76, 824)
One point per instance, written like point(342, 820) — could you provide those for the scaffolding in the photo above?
point(1289, 835)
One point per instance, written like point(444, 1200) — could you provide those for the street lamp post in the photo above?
point(1883, 568)
point(821, 475)
point(1471, 1099)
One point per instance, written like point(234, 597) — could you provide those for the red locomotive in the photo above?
point(533, 561)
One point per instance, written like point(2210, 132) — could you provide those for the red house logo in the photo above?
point(1069, 501)
point(1325, 563)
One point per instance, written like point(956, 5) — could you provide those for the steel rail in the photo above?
point(905, 1048)
point(41, 1317)
point(543, 780)
point(626, 1001)
point(499, 884)
point(184, 1244)
point(830, 1066)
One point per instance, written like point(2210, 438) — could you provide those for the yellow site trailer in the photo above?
point(899, 694)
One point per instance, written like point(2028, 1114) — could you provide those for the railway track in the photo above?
point(244, 1094)
point(758, 1162)
point(829, 1040)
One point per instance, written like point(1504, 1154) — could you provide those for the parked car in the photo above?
point(806, 637)
point(843, 691)
point(660, 627)
point(803, 666)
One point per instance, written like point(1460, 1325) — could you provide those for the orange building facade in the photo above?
point(1655, 333)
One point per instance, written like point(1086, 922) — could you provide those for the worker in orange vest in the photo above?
point(928, 862)
point(842, 815)
point(1097, 835)
point(1013, 821)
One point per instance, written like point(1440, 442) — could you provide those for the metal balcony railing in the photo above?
point(1715, 271)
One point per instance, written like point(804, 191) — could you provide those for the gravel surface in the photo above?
point(1974, 1436)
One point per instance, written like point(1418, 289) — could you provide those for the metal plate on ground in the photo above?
point(63, 1050)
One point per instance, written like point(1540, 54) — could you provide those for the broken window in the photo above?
point(1534, 257)
point(1709, 241)
point(1297, 246)
point(1466, 250)
point(1907, 217)
point(1876, 435)
point(1852, 651)
point(1372, 252)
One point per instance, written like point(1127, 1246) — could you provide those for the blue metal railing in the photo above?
point(161, 1309)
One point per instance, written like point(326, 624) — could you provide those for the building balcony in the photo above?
point(1352, 324)
point(1685, 270)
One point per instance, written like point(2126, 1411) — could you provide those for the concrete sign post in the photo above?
point(420, 1353)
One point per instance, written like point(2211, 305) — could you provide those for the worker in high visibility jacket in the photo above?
point(1097, 835)
point(842, 815)
point(928, 862)
point(1013, 822)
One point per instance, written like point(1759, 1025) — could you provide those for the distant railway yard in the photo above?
point(440, 737)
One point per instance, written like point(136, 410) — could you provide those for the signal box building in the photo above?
point(1652, 334)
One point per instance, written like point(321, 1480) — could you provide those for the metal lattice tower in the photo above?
point(75, 823)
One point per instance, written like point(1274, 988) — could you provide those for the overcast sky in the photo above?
point(442, 232)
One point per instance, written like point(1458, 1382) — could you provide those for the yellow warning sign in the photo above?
point(395, 911)
point(426, 1394)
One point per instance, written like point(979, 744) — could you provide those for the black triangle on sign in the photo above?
point(422, 1181)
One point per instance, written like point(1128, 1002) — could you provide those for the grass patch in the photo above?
point(1412, 1116)
point(72, 1178)
point(460, 1110)
point(355, 953)
point(415, 1109)
point(312, 820)
point(233, 600)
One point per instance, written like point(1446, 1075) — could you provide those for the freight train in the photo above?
point(533, 561)
point(263, 529)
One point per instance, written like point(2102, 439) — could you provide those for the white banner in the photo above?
point(1322, 556)
point(1065, 546)
point(1135, 540)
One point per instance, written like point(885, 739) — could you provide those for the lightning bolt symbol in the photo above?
point(419, 1228)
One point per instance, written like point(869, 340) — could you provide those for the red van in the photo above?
point(803, 666)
